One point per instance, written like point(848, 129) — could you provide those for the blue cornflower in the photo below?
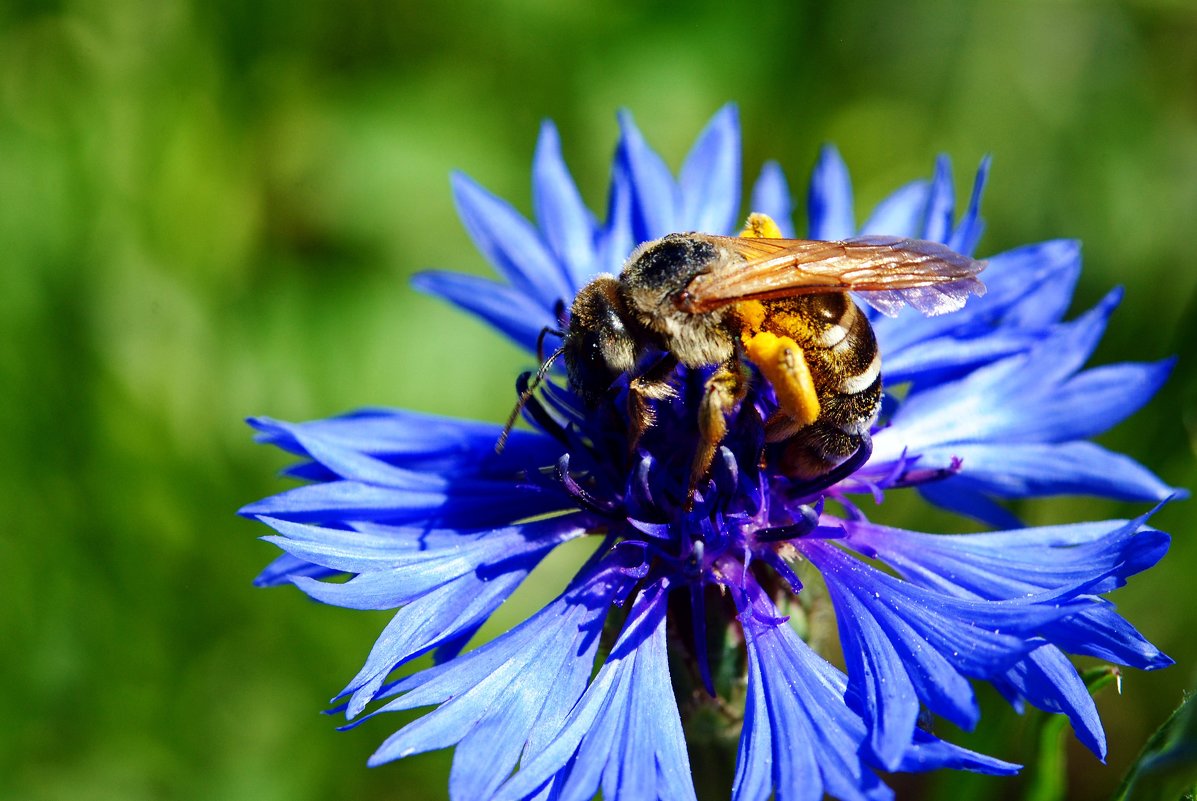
point(678, 604)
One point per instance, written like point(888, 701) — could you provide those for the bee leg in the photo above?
point(652, 385)
point(783, 365)
point(761, 226)
point(721, 395)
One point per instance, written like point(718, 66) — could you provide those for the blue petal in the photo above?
point(397, 565)
point(1008, 564)
point(511, 245)
point(947, 357)
point(1019, 398)
point(1013, 564)
point(354, 465)
point(444, 613)
point(771, 196)
point(655, 202)
point(710, 176)
point(1027, 289)
point(452, 646)
point(1108, 394)
point(929, 753)
point(964, 239)
point(941, 204)
point(566, 223)
point(1049, 681)
point(625, 733)
point(880, 674)
point(452, 504)
point(449, 581)
point(501, 700)
point(1100, 632)
point(1033, 470)
point(417, 441)
point(287, 567)
point(373, 488)
point(508, 309)
point(937, 638)
point(617, 240)
point(961, 495)
point(799, 739)
point(1035, 282)
point(900, 214)
point(336, 500)
point(372, 548)
point(829, 200)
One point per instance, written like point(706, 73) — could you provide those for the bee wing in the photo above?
point(888, 272)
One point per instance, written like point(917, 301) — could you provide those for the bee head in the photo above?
point(598, 344)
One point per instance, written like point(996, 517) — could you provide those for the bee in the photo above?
point(778, 304)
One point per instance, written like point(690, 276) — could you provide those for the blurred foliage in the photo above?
point(1047, 773)
point(1167, 766)
point(210, 210)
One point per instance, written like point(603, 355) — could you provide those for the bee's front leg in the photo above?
point(722, 394)
point(653, 384)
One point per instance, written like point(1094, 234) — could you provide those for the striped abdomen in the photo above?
point(840, 350)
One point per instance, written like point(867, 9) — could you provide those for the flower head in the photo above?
point(695, 589)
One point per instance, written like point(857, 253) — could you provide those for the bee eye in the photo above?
point(595, 358)
point(598, 346)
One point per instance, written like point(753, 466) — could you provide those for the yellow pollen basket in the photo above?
point(779, 359)
point(781, 362)
point(761, 226)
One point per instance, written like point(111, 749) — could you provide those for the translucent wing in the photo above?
point(888, 272)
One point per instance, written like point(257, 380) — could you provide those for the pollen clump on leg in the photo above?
point(761, 226)
point(781, 362)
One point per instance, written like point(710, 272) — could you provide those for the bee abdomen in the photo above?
point(843, 355)
point(845, 363)
point(843, 423)
point(817, 449)
point(841, 352)
point(852, 412)
point(852, 383)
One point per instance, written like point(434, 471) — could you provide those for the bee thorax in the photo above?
point(655, 276)
point(695, 339)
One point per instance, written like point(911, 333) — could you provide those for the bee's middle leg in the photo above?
point(721, 395)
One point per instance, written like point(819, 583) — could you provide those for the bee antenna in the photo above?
point(540, 341)
point(526, 396)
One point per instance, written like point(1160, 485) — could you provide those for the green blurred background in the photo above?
point(210, 210)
